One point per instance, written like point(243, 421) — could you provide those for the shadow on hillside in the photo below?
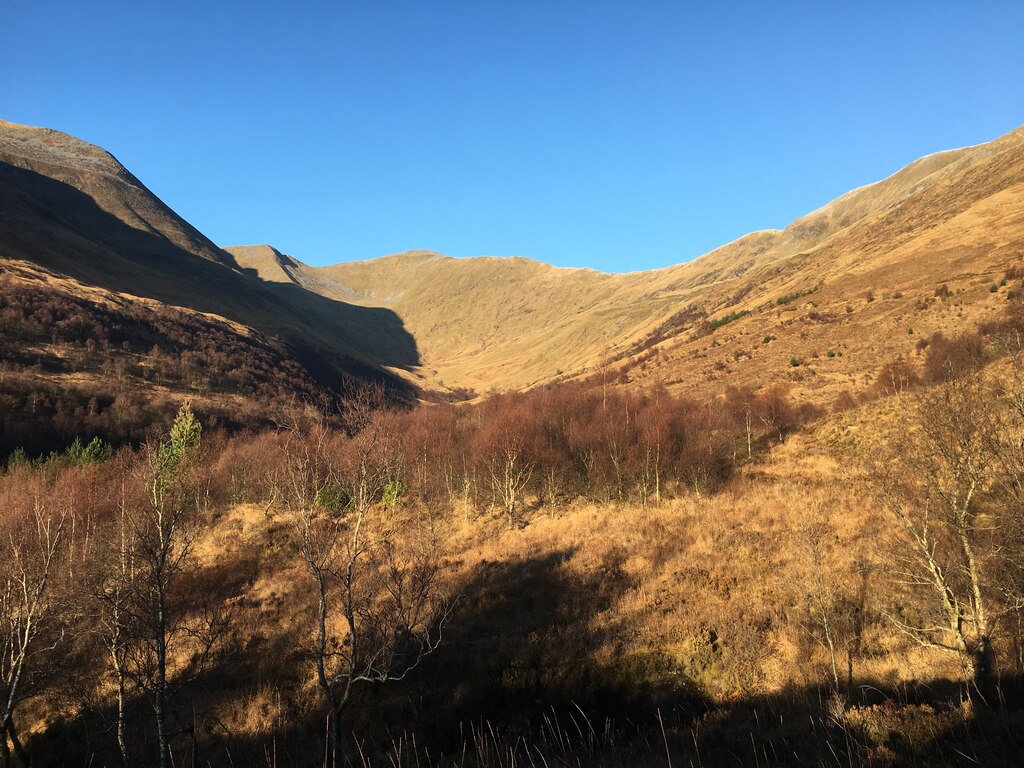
point(516, 683)
point(524, 640)
point(55, 225)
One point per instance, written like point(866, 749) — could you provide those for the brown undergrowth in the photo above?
point(746, 621)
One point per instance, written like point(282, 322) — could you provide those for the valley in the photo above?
point(762, 507)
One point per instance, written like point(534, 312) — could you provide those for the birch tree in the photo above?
point(379, 609)
point(30, 630)
point(936, 482)
point(159, 633)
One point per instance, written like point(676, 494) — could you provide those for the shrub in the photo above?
point(844, 401)
point(794, 296)
point(97, 451)
point(897, 376)
point(333, 498)
point(728, 318)
point(895, 726)
point(948, 359)
point(17, 458)
point(394, 492)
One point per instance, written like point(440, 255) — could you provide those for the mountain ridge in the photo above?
point(143, 308)
point(465, 311)
point(444, 327)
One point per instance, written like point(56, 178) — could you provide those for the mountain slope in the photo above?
point(113, 308)
point(795, 305)
point(97, 174)
point(485, 323)
point(72, 210)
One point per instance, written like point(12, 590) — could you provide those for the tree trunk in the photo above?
point(8, 731)
point(335, 736)
point(982, 664)
point(1020, 646)
point(122, 742)
point(5, 751)
point(19, 750)
point(749, 426)
point(657, 477)
point(161, 728)
point(160, 694)
point(118, 667)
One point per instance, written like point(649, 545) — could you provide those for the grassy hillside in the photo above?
point(72, 210)
point(752, 620)
point(953, 218)
point(818, 306)
point(77, 226)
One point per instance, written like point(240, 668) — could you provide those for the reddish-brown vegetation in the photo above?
point(73, 366)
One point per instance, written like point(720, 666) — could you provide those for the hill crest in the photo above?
point(508, 323)
point(448, 324)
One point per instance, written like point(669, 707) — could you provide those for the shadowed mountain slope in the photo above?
point(70, 209)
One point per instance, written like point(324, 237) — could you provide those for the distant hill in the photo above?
point(854, 277)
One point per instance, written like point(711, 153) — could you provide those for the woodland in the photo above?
point(581, 574)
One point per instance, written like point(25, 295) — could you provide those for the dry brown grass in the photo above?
point(953, 218)
point(729, 564)
point(704, 603)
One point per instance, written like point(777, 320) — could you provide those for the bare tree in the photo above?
point(814, 539)
point(30, 631)
point(897, 376)
point(159, 633)
point(654, 447)
point(379, 607)
point(505, 449)
point(113, 592)
point(741, 405)
point(1008, 450)
point(939, 476)
point(510, 471)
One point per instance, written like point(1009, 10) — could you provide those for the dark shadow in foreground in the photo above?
point(516, 684)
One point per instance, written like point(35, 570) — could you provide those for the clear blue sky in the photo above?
point(615, 135)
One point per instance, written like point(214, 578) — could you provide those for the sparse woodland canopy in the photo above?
point(332, 558)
